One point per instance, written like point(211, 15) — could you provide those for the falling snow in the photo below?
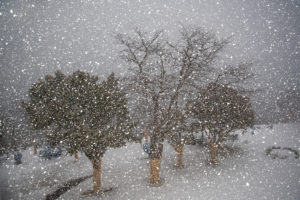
point(247, 174)
point(37, 38)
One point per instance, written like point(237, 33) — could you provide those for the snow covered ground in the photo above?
point(246, 172)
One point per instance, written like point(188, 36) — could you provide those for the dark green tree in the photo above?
point(82, 114)
point(218, 111)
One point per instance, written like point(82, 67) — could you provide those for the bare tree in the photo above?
point(161, 77)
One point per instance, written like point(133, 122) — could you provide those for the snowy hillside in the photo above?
point(244, 171)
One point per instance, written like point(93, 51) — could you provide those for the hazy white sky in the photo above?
point(38, 37)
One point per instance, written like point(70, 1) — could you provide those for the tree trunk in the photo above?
point(213, 151)
point(154, 170)
point(155, 155)
point(179, 150)
point(96, 175)
point(34, 147)
point(146, 134)
point(156, 147)
point(76, 156)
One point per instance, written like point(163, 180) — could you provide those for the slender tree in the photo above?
point(218, 111)
point(82, 114)
point(161, 76)
point(34, 147)
point(177, 139)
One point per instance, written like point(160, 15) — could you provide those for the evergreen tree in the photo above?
point(82, 115)
point(218, 111)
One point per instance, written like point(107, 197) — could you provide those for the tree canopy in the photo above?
point(220, 108)
point(163, 74)
point(218, 111)
point(81, 113)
